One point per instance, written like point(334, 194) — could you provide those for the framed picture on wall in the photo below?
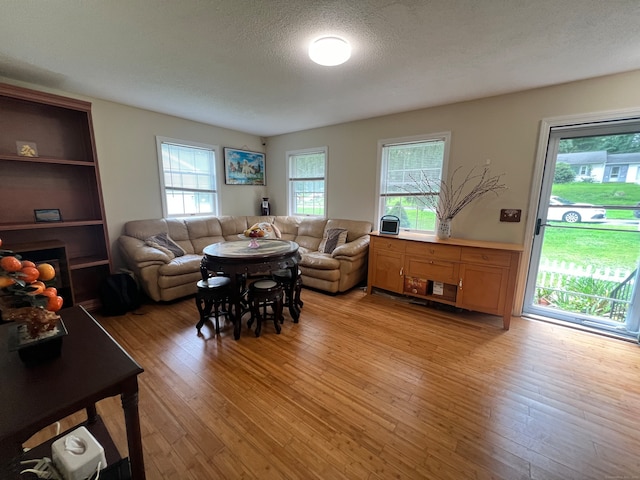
point(242, 167)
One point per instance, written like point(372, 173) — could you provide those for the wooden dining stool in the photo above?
point(265, 293)
point(211, 296)
point(292, 291)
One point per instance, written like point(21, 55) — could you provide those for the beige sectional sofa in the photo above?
point(165, 277)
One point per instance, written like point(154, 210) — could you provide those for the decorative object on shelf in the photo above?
point(265, 208)
point(27, 149)
point(448, 198)
point(47, 215)
point(242, 167)
point(27, 291)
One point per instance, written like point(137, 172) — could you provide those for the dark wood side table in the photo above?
point(92, 367)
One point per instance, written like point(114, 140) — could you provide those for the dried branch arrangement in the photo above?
point(452, 198)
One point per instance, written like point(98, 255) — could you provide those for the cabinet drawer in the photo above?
point(385, 244)
point(432, 250)
point(485, 256)
point(432, 269)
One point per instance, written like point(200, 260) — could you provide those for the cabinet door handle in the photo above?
point(460, 284)
point(401, 271)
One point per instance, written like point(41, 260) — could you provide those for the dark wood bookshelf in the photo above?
point(64, 175)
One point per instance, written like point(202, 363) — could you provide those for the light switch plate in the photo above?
point(510, 215)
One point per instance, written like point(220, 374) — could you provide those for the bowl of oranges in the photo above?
point(27, 291)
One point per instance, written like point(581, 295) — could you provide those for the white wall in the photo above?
point(127, 155)
point(504, 129)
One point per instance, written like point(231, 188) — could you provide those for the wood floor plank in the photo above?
point(373, 387)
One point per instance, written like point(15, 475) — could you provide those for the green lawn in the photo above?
point(599, 248)
point(608, 248)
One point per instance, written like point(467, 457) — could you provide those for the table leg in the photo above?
point(134, 436)
point(236, 301)
point(294, 309)
point(92, 414)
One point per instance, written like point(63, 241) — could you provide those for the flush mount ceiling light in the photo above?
point(329, 51)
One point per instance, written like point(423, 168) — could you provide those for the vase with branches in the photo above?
point(448, 198)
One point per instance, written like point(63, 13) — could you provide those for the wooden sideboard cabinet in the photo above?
point(474, 275)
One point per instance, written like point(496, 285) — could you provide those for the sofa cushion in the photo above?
point(332, 238)
point(162, 241)
point(181, 265)
point(320, 261)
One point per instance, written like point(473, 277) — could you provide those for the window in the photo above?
point(402, 162)
point(615, 173)
point(307, 184)
point(188, 177)
point(584, 170)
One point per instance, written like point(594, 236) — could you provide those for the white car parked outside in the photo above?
point(563, 210)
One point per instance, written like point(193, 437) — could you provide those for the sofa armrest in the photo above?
point(138, 252)
point(352, 249)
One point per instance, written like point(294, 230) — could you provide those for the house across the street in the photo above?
point(601, 167)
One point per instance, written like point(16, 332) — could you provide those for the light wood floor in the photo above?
point(368, 387)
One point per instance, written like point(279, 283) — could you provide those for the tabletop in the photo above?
point(268, 248)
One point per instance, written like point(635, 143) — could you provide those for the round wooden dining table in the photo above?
point(238, 260)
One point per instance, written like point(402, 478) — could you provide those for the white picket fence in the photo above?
point(552, 273)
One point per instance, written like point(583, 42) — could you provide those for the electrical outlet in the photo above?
point(510, 215)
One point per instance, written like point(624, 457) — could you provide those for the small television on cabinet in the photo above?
point(390, 224)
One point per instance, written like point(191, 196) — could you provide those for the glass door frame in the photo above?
point(539, 198)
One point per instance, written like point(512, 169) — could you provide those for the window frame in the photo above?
point(422, 138)
point(160, 140)
point(290, 181)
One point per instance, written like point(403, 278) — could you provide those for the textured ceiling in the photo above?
point(243, 64)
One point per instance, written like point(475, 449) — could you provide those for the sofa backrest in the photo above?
point(203, 231)
point(310, 231)
point(174, 227)
point(355, 228)
point(232, 226)
point(143, 229)
point(288, 226)
point(179, 233)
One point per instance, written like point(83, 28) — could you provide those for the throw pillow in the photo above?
point(332, 238)
point(163, 242)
